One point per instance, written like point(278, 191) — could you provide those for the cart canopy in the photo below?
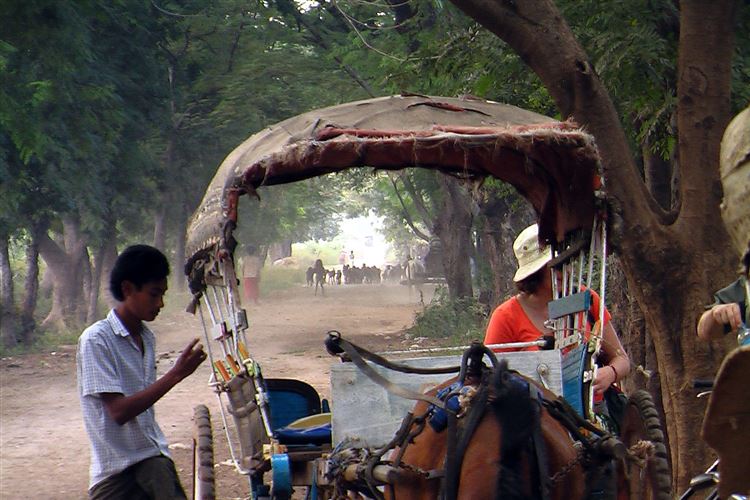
point(555, 165)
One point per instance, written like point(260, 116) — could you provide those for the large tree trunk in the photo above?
point(65, 264)
point(672, 260)
point(453, 227)
point(103, 261)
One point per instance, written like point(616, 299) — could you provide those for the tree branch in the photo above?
point(419, 203)
point(289, 7)
point(406, 214)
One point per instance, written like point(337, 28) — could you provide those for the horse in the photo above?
point(309, 276)
point(498, 461)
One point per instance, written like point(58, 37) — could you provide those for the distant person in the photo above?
point(117, 385)
point(250, 265)
point(319, 276)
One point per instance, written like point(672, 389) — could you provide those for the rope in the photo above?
point(640, 452)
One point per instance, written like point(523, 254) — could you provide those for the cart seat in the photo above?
point(296, 417)
point(312, 430)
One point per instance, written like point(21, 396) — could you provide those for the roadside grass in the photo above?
point(453, 322)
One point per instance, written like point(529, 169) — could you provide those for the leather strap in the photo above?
point(369, 371)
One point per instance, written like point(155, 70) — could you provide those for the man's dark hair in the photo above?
point(746, 259)
point(530, 284)
point(139, 264)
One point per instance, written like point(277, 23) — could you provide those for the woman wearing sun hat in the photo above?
point(521, 318)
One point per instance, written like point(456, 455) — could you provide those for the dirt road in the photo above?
point(44, 451)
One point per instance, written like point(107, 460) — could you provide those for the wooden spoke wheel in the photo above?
point(203, 455)
point(641, 428)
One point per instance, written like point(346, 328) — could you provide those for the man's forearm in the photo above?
point(123, 409)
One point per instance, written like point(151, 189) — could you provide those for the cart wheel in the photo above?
point(203, 455)
point(641, 423)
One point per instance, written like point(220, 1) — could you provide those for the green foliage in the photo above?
point(296, 212)
point(456, 321)
point(308, 252)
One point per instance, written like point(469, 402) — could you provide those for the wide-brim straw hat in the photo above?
point(530, 256)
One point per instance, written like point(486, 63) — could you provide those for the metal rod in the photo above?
point(592, 248)
point(230, 278)
point(603, 278)
point(581, 264)
point(208, 339)
point(509, 345)
point(218, 302)
point(210, 310)
point(261, 398)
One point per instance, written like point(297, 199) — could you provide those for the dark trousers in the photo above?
point(152, 479)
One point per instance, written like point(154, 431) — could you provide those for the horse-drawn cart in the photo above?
point(281, 434)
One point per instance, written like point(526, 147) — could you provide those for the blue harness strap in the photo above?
point(438, 417)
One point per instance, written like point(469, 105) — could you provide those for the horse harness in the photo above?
point(594, 446)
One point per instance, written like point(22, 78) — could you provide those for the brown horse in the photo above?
point(497, 462)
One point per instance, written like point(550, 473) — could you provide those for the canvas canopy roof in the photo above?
point(555, 165)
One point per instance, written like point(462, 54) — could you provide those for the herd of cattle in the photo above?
point(350, 275)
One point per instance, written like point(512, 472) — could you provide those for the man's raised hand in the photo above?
point(190, 358)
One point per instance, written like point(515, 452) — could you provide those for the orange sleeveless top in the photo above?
point(509, 323)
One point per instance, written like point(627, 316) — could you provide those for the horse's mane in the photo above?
point(518, 416)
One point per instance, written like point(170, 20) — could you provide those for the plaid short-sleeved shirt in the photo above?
point(109, 361)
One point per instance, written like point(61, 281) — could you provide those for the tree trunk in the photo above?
point(8, 313)
point(92, 309)
point(31, 287)
point(66, 266)
point(672, 261)
point(453, 227)
point(160, 227)
point(638, 342)
point(502, 219)
point(87, 285)
point(108, 262)
point(280, 250)
point(178, 260)
point(6, 274)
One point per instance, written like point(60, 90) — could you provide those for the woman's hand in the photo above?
point(605, 377)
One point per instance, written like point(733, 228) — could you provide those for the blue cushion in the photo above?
point(315, 435)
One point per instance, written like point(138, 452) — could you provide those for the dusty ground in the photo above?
point(44, 450)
